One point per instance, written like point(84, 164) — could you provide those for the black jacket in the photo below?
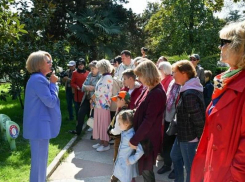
point(190, 112)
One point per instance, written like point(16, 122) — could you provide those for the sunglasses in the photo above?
point(224, 41)
point(193, 59)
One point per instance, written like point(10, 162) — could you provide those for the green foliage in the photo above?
point(233, 16)
point(181, 26)
point(10, 27)
point(15, 165)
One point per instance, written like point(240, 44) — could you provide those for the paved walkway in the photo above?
point(85, 164)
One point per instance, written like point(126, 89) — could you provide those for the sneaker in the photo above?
point(90, 129)
point(95, 146)
point(159, 157)
point(102, 148)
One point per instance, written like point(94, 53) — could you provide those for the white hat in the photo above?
point(71, 63)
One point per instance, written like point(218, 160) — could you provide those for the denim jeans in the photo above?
point(182, 154)
point(70, 102)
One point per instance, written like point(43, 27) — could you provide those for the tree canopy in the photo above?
point(95, 29)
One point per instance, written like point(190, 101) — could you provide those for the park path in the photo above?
point(85, 164)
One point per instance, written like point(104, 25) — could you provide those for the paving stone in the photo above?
point(85, 164)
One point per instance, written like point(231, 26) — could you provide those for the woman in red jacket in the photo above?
point(148, 117)
point(78, 77)
point(220, 155)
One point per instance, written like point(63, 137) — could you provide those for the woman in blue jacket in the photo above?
point(42, 117)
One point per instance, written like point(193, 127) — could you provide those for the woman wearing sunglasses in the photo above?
point(221, 152)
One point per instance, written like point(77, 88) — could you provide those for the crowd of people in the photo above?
point(152, 111)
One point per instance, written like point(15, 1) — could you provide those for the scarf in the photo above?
point(221, 81)
point(81, 71)
point(172, 95)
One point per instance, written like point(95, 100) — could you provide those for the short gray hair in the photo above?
point(104, 66)
point(36, 61)
point(165, 67)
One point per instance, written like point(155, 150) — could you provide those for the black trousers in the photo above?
point(168, 142)
point(84, 110)
point(148, 176)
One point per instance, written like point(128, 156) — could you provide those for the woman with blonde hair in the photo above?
point(42, 117)
point(102, 102)
point(148, 117)
point(221, 151)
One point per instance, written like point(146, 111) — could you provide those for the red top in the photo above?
point(77, 81)
point(134, 95)
point(166, 81)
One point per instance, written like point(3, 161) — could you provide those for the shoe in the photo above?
point(159, 157)
point(171, 175)
point(90, 129)
point(74, 132)
point(102, 148)
point(95, 146)
point(163, 169)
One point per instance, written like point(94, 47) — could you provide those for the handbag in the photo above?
point(90, 121)
point(172, 128)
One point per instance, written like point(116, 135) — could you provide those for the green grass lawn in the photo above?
point(15, 165)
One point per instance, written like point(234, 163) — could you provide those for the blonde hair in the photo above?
point(148, 70)
point(236, 33)
point(36, 60)
point(186, 67)
point(104, 66)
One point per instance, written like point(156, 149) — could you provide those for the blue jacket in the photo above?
point(42, 116)
point(122, 171)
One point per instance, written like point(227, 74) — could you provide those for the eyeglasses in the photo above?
point(224, 41)
point(49, 62)
point(193, 59)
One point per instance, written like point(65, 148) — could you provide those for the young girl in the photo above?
point(125, 168)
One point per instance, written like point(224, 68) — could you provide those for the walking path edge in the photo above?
point(55, 163)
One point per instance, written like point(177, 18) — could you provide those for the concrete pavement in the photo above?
point(85, 164)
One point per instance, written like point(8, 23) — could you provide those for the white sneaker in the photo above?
point(103, 148)
point(95, 146)
point(159, 157)
point(90, 129)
